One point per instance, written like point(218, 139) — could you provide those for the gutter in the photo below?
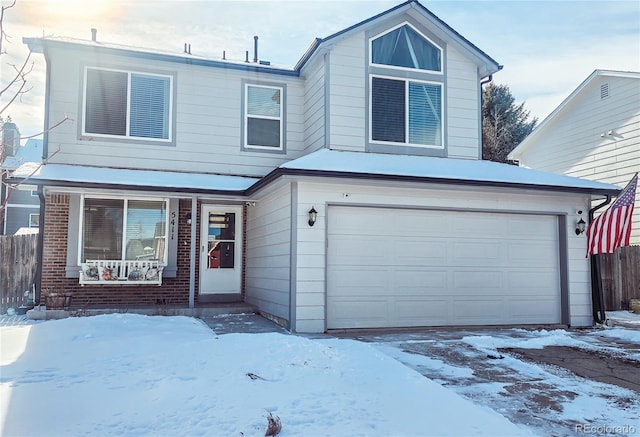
point(40, 250)
point(597, 294)
point(283, 171)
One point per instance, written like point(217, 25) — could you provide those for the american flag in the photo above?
point(612, 229)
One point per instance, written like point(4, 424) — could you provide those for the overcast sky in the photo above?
point(547, 48)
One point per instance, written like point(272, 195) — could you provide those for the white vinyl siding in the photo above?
point(594, 138)
point(127, 104)
point(314, 110)
point(269, 253)
point(207, 126)
point(312, 247)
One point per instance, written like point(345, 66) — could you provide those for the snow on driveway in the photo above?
point(134, 375)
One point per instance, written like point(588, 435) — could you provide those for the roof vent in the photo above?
point(94, 33)
point(604, 91)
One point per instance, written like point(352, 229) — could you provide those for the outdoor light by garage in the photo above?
point(313, 215)
point(580, 226)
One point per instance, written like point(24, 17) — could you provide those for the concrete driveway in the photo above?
point(564, 389)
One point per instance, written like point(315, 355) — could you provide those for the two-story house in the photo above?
point(347, 191)
point(593, 134)
point(22, 205)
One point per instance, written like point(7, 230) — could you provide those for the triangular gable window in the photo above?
point(405, 47)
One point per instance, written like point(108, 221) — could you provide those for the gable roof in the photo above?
point(490, 65)
point(427, 169)
point(487, 64)
point(561, 108)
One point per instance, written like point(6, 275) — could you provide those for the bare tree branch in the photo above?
point(3, 35)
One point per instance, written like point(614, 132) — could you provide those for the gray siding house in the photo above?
point(22, 205)
point(347, 191)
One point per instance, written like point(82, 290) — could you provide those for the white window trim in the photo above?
point(395, 67)
point(31, 216)
point(246, 144)
point(406, 103)
point(124, 221)
point(127, 121)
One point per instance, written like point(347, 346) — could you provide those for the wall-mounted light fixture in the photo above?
point(313, 215)
point(188, 218)
point(580, 225)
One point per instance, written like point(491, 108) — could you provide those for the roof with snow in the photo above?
point(31, 151)
point(328, 162)
point(119, 178)
point(323, 163)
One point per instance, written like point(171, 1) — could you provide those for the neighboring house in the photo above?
point(345, 192)
point(22, 209)
point(593, 134)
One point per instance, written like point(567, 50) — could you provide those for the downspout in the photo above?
point(40, 249)
point(597, 295)
point(480, 119)
point(41, 196)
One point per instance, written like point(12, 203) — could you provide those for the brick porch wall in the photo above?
point(173, 291)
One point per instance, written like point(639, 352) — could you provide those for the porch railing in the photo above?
point(116, 272)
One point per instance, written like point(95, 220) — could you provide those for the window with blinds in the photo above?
point(406, 112)
point(405, 107)
point(119, 103)
point(263, 117)
point(124, 229)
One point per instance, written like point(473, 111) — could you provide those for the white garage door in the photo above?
point(403, 267)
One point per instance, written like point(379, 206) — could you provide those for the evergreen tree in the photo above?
point(504, 123)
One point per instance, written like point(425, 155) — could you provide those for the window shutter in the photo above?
point(149, 106)
point(106, 102)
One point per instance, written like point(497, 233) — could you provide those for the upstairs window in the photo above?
point(263, 117)
point(127, 104)
point(406, 112)
point(404, 47)
point(124, 229)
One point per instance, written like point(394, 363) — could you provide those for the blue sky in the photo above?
point(547, 48)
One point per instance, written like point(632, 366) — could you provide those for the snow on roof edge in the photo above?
point(438, 168)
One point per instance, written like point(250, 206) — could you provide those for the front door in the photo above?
point(220, 251)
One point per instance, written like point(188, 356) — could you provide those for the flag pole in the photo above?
point(597, 295)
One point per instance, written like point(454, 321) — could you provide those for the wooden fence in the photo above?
point(620, 277)
point(18, 263)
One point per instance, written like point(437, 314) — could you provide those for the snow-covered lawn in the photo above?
point(136, 375)
point(127, 374)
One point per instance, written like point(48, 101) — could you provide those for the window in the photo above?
point(406, 112)
point(129, 229)
point(263, 117)
point(405, 107)
point(34, 193)
point(406, 48)
point(34, 220)
point(135, 105)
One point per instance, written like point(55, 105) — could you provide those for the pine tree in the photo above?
point(504, 123)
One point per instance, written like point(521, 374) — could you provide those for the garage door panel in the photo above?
point(370, 282)
point(418, 252)
point(478, 280)
point(415, 281)
point(540, 254)
point(417, 310)
point(477, 253)
point(428, 268)
point(527, 282)
point(358, 313)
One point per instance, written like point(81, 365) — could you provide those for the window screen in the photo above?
point(263, 116)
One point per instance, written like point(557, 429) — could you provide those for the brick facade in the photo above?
point(173, 291)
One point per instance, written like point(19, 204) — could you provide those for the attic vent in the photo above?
point(604, 91)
